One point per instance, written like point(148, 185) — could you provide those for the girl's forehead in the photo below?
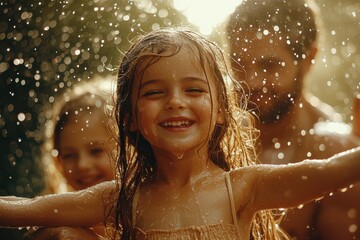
point(89, 116)
point(186, 61)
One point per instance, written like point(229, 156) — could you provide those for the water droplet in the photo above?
point(322, 147)
point(179, 155)
point(21, 117)
point(352, 213)
point(353, 228)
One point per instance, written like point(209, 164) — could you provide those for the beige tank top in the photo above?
point(216, 231)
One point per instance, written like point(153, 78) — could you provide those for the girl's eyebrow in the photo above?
point(148, 82)
point(196, 79)
point(96, 142)
point(64, 149)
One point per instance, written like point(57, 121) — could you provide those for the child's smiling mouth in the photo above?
point(180, 124)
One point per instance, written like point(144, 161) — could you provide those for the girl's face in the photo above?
point(176, 106)
point(83, 151)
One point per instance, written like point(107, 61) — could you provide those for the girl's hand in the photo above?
point(65, 233)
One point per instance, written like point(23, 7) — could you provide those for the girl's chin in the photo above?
point(180, 151)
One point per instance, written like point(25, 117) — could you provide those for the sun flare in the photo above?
point(206, 14)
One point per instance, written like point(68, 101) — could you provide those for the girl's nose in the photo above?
point(175, 101)
point(84, 161)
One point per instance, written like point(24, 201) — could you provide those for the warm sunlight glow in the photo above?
point(206, 14)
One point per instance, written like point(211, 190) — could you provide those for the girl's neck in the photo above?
point(182, 169)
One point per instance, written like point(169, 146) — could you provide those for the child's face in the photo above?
point(176, 106)
point(82, 150)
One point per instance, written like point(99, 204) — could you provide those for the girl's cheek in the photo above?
point(140, 106)
point(107, 170)
point(68, 168)
point(206, 106)
point(68, 173)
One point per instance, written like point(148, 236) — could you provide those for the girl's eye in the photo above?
point(97, 151)
point(195, 90)
point(68, 156)
point(151, 93)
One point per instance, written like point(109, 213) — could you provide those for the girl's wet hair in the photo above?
point(231, 144)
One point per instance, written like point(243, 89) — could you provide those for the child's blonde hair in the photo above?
point(231, 144)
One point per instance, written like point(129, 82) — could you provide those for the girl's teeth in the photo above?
point(175, 124)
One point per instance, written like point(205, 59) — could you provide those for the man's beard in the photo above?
point(281, 103)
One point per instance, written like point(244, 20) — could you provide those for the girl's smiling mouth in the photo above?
point(177, 123)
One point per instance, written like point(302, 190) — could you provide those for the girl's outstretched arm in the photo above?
point(80, 208)
point(284, 186)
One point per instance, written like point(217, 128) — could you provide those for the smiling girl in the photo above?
point(186, 166)
point(77, 153)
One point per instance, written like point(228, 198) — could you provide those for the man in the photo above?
point(273, 44)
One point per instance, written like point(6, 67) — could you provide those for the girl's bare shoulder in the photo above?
point(244, 182)
point(249, 171)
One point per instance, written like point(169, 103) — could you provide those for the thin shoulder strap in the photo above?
point(231, 198)
point(135, 203)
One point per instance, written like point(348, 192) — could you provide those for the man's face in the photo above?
point(271, 72)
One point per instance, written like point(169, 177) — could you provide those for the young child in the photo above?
point(77, 150)
point(186, 162)
point(78, 136)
